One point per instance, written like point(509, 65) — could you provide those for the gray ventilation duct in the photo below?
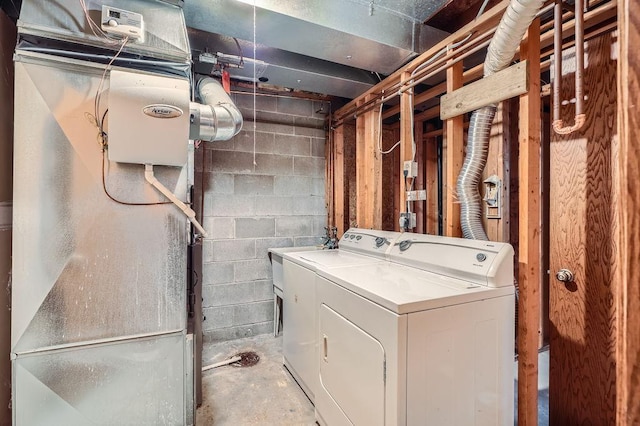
point(217, 118)
point(506, 40)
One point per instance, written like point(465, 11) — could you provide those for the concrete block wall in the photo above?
point(278, 201)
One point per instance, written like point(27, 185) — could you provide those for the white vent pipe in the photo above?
point(513, 25)
point(217, 118)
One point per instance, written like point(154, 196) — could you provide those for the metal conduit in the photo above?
point(218, 119)
point(513, 25)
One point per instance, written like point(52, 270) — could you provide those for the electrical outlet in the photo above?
point(410, 169)
point(122, 23)
point(420, 195)
point(407, 220)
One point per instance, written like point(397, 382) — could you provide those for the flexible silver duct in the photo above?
point(218, 118)
point(503, 46)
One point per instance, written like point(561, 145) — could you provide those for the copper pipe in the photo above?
point(558, 124)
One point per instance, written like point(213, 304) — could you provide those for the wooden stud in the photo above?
point(454, 137)
point(419, 206)
point(628, 197)
point(406, 141)
point(369, 171)
point(431, 184)
point(529, 245)
point(338, 180)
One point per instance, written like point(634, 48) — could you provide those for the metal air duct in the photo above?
point(218, 119)
point(505, 42)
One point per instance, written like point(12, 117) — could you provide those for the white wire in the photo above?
point(255, 84)
point(380, 135)
point(98, 96)
point(95, 28)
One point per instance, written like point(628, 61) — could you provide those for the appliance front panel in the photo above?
point(132, 382)
point(86, 268)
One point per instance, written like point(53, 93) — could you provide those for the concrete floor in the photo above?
point(265, 394)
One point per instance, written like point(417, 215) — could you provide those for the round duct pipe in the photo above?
point(514, 23)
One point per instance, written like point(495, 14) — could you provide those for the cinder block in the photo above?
point(252, 313)
point(292, 145)
point(262, 103)
point(292, 226)
point(218, 317)
point(218, 183)
point(295, 106)
point(264, 142)
point(307, 241)
point(264, 244)
point(321, 109)
point(255, 228)
point(317, 147)
point(231, 162)
point(217, 273)
point(273, 206)
point(263, 290)
point(312, 205)
point(282, 129)
point(239, 332)
point(286, 185)
point(232, 205)
point(252, 270)
point(270, 164)
point(219, 228)
point(309, 122)
point(234, 249)
point(308, 131)
point(207, 251)
point(308, 166)
point(318, 186)
point(228, 294)
point(319, 223)
point(253, 185)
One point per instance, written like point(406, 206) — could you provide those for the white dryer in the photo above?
point(424, 339)
point(358, 247)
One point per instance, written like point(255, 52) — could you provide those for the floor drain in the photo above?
point(247, 359)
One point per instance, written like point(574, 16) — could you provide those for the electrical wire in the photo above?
point(98, 96)
point(95, 28)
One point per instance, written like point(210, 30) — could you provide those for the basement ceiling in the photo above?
point(333, 47)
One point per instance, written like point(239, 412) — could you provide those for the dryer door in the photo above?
point(352, 370)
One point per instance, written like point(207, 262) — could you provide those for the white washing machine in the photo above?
point(358, 247)
point(426, 338)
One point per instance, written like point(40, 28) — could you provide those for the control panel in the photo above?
point(368, 241)
point(122, 23)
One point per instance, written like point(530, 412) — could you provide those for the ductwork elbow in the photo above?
point(217, 118)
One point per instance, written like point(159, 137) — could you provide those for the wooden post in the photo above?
point(406, 135)
point(369, 170)
point(431, 182)
point(628, 196)
point(529, 245)
point(419, 206)
point(454, 136)
point(338, 179)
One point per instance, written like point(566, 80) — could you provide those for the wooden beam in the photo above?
point(628, 197)
point(479, 26)
point(338, 180)
point(529, 245)
point(406, 141)
point(508, 83)
point(431, 184)
point(454, 137)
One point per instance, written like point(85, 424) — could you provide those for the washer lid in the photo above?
point(316, 260)
point(403, 289)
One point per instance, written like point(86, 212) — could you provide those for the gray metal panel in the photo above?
point(84, 267)
point(129, 382)
point(165, 31)
point(334, 30)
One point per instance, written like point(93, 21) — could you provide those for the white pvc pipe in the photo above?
point(191, 215)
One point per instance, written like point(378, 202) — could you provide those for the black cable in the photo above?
point(240, 49)
point(104, 187)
